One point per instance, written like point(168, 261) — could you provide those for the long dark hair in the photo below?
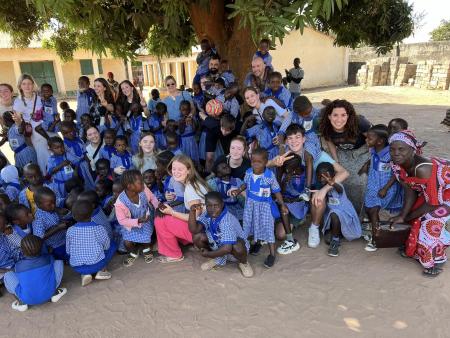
point(109, 97)
point(123, 100)
point(351, 127)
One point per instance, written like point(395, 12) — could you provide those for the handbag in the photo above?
point(37, 115)
point(387, 235)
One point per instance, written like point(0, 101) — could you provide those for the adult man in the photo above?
point(294, 77)
point(259, 76)
point(213, 72)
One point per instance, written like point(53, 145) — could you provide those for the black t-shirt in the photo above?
point(341, 142)
point(238, 172)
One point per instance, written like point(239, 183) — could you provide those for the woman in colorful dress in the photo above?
point(427, 198)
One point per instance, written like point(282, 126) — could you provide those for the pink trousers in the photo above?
point(169, 232)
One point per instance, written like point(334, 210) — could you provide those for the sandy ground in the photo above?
point(306, 294)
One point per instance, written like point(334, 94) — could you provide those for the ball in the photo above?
point(214, 107)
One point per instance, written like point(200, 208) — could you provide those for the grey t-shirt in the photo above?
point(296, 73)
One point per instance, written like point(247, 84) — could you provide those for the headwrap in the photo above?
point(408, 137)
point(9, 174)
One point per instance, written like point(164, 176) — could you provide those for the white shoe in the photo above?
point(19, 306)
point(103, 274)
point(59, 293)
point(370, 247)
point(313, 237)
point(288, 247)
point(208, 265)
point(86, 279)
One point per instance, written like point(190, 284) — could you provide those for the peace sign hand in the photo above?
point(328, 178)
point(280, 159)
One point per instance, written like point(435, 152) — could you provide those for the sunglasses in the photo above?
point(170, 84)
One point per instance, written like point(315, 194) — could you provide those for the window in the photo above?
point(87, 67)
point(100, 66)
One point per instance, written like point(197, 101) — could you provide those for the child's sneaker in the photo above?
point(103, 275)
point(270, 261)
point(86, 279)
point(209, 265)
point(148, 257)
point(370, 247)
point(246, 270)
point(129, 261)
point(58, 295)
point(333, 250)
point(19, 306)
point(288, 247)
point(255, 248)
point(313, 236)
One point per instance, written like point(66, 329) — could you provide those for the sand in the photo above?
point(306, 294)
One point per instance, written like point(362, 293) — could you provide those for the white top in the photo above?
point(148, 163)
point(280, 111)
point(296, 72)
point(4, 108)
point(191, 195)
point(27, 109)
point(90, 150)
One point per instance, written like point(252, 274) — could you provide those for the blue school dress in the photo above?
point(23, 153)
point(152, 123)
point(16, 237)
point(77, 149)
point(64, 174)
point(189, 146)
point(89, 247)
point(12, 189)
point(50, 108)
point(143, 233)
point(380, 173)
point(135, 125)
point(310, 123)
point(235, 205)
point(281, 94)
point(7, 258)
point(294, 188)
point(43, 221)
point(260, 209)
point(199, 101)
point(232, 107)
point(151, 105)
point(99, 217)
point(340, 205)
point(221, 231)
point(84, 102)
point(170, 185)
point(106, 152)
point(117, 231)
point(117, 126)
point(123, 160)
point(264, 135)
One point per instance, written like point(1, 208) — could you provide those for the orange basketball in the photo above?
point(214, 107)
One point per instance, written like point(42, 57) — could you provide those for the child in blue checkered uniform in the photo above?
point(20, 218)
point(23, 153)
point(134, 127)
point(108, 149)
point(260, 209)
point(155, 187)
point(11, 185)
point(134, 214)
point(117, 228)
point(218, 234)
point(121, 160)
point(187, 128)
point(88, 244)
point(47, 223)
point(98, 216)
point(8, 256)
point(383, 190)
point(154, 124)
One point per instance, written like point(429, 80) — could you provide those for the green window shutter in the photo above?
point(87, 67)
point(100, 66)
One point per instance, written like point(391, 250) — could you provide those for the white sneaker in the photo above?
point(313, 237)
point(86, 279)
point(288, 247)
point(19, 306)
point(103, 274)
point(370, 247)
point(59, 293)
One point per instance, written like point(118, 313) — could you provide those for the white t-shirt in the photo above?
point(280, 111)
point(191, 195)
point(90, 150)
point(27, 109)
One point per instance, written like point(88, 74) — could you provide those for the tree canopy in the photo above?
point(441, 33)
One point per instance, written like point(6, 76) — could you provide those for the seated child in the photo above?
point(219, 235)
point(121, 159)
point(97, 215)
point(8, 256)
point(36, 278)
point(117, 228)
point(396, 125)
point(11, 185)
point(86, 122)
point(134, 215)
point(47, 223)
point(155, 124)
point(88, 245)
point(224, 184)
point(4, 202)
point(103, 188)
point(173, 191)
point(173, 143)
point(151, 183)
point(20, 218)
point(187, 129)
point(340, 216)
point(108, 149)
point(103, 170)
point(277, 92)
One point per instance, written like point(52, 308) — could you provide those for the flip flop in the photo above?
point(165, 259)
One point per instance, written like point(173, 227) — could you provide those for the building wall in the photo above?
point(116, 66)
point(7, 73)
point(323, 63)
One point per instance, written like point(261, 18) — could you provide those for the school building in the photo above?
point(46, 66)
point(324, 64)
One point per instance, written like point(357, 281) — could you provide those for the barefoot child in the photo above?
point(88, 245)
point(218, 234)
point(340, 217)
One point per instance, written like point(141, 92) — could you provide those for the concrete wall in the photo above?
point(323, 63)
point(7, 73)
point(438, 50)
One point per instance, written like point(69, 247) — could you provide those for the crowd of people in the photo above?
point(224, 167)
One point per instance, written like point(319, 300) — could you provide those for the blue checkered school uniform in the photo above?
point(15, 238)
point(84, 102)
point(170, 185)
point(294, 187)
point(221, 231)
point(7, 259)
point(380, 172)
point(232, 107)
point(23, 153)
point(50, 108)
point(12, 189)
point(86, 243)
point(59, 200)
point(281, 94)
point(260, 209)
point(43, 221)
point(143, 233)
point(340, 205)
point(124, 160)
point(151, 105)
point(64, 174)
point(117, 231)
point(77, 149)
point(135, 126)
point(107, 152)
point(310, 123)
point(189, 145)
point(153, 124)
point(199, 101)
point(235, 205)
point(99, 217)
point(176, 151)
point(264, 135)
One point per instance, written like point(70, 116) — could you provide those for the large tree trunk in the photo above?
point(232, 43)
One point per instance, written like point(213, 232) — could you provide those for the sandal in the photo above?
point(129, 261)
point(148, 257)
point(432, 272)
point(165, 259)
point(208, 265)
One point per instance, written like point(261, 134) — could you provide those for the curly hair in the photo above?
point(351, 127)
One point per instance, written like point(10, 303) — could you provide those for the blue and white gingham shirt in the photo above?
point(43, 221)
